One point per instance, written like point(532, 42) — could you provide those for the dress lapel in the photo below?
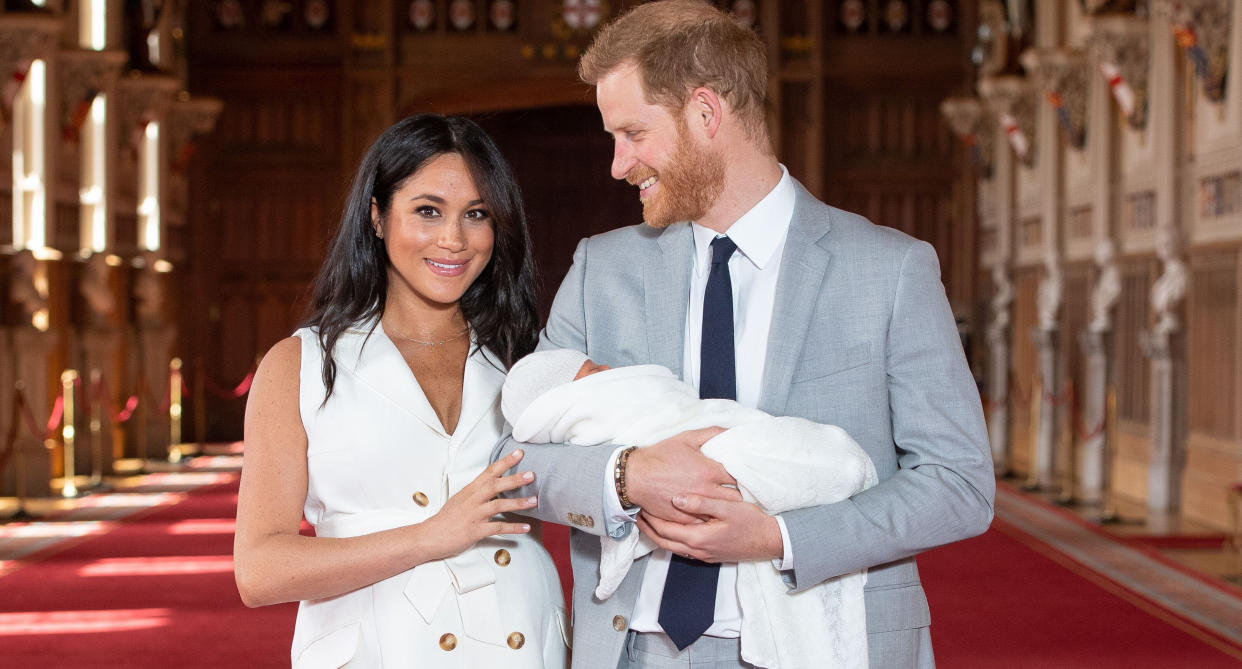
point(803, 266)
point(377, 364)
point(480, 389)
point(666, 290)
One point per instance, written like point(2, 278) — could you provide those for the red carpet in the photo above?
point(158, 592)
point(155, 592)
point(997, 601)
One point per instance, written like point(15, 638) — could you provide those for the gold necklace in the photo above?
point(433, 343)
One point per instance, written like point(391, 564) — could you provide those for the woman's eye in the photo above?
point(427, 212)
point(477, 215)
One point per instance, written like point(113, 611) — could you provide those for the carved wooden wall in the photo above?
point(855, 113)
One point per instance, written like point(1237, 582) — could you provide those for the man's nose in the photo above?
point(622, 159)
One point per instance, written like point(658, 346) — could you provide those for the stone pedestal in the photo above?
point(1166, 350)
point(1095, 464)
point(1050, 410)
point(32, 465)
point(998, 394)
point(98, 349)
point(154, 345)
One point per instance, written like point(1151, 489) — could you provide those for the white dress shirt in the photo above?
point(760, 237)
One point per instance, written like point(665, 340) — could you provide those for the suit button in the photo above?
point(448, 642)
point(618, 623)
point(503, 558)
point(516, 640)
point(420, 499)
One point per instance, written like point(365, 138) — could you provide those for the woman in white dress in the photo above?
point(375, 422)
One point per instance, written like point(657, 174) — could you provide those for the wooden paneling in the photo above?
point(1024, 367)
point(1212, 354)
point(1133, 377)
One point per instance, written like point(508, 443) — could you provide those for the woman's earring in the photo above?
point(379, 234)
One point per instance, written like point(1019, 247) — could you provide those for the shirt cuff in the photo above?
point(617, 519)
point(786, 563)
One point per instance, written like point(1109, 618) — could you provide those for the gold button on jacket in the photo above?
point(502, 557)
point(516, 640)
point(618, 623)
point(420, 499)
point(448, 642)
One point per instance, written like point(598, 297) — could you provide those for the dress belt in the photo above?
point(469, 574)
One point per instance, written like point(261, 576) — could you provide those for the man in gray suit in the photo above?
point(748, 287)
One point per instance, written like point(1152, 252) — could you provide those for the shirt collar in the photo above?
point(759, 232)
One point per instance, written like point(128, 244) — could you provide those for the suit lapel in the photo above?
point(803, 266)
point(666, 291)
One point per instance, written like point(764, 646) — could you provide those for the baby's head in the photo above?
point(539, 373)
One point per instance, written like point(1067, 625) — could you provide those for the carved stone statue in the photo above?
point(1170, 289)
point(1107, 288)
point(1001, 299)
point(26, 291)
point(1048, 300)
point(149, 293)
point(95, 290)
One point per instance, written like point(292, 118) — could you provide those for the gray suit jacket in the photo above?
point(861, 337)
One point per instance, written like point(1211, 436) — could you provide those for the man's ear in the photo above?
point(708, 110)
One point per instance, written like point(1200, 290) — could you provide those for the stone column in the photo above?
point(1096, 341)
point(154, 337)
point(1165, 346)
point(997, 335)
point(99, 342)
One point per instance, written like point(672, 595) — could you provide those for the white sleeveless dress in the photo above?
point(378, 458)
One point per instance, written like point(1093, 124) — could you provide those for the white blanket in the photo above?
point(779, 463)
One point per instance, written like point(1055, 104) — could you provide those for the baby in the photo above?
point(780, 463)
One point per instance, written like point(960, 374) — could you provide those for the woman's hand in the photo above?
point(467, 516)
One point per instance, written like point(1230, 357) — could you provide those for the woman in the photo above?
point(376, 420)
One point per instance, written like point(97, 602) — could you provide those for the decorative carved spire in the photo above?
point(974, 126)
point(1202, 29)
point(81, 75)
point(143, 98)
point(992, 52)
point(1062, 75)
point(24, 37)
point(1013, 101)
point(1122, 46)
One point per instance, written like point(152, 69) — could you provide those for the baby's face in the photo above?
point(589, 367)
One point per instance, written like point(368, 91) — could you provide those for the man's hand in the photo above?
point(727, 531)
point(675, 466)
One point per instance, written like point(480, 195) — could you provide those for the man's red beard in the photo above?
point(687, 187)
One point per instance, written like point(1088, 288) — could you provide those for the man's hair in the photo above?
point(680, 45)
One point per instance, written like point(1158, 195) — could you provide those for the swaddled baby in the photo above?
point(780, 463)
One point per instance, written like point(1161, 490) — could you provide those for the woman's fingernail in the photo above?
point(525, 528)
point(679, 500)
point(517, 453)
point(528, 476)
point(532, 500)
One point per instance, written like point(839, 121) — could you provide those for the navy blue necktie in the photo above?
point(688, 605)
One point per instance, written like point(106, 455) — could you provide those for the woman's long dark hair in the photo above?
point(352, 284)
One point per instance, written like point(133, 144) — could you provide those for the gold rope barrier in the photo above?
point(1110, 515)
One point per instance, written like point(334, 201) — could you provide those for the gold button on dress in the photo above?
point(448, 642)
point(516, 640)
point(502, 557)
point(420, 499)
point(618, 623)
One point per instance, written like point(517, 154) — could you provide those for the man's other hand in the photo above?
point(728, 531)
point(675, 466)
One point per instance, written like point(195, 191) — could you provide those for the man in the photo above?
point(750, 288)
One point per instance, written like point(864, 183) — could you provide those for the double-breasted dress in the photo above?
point(378, 458)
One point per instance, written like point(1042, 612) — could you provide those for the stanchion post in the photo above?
point(1066, 495)
point(174, 411)
point(1037, 395)
point(1110, 514)
point(68, 433)
point(19, 455)
point(96, 409)
point(200, 405)
point(140, 427)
